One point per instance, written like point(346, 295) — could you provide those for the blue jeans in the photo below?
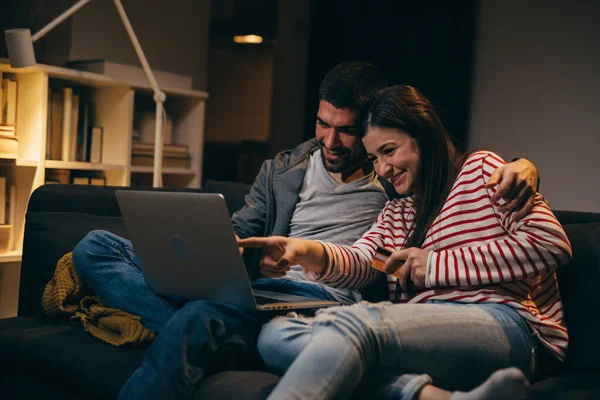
point(394, 350)
point(195, 338)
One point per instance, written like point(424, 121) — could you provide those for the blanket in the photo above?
point(67, 296)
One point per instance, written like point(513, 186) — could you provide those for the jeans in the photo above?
point(195, 338)
point(391, 351)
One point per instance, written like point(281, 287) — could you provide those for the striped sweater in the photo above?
point(477, 254)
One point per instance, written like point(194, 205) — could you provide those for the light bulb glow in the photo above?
point(253, 39)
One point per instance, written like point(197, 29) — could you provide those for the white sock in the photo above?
point(508, 383)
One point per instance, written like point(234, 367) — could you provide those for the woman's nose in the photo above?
point(384, 169)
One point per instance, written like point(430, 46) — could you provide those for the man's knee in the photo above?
point(196, 314)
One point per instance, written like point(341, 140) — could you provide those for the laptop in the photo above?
point(186, 247)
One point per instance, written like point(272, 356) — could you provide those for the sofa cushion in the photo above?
point(578, 282)
point(236, 385)
point(582, 385)
point(67, 354)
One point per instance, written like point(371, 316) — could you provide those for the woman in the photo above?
point(475, 289)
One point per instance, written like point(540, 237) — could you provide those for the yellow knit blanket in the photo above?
point(67, 296)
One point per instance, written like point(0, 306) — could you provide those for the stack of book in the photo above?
point(174, 155)
point(71, 134)
point(9, 145)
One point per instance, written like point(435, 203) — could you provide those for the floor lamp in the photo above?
point(20, 52)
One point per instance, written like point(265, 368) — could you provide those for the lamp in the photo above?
point(20, 52)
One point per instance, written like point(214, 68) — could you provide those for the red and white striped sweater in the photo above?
point(478, 255)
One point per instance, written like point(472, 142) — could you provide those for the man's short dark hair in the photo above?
point(352, 84)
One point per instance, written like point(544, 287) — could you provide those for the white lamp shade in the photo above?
point(20, 48)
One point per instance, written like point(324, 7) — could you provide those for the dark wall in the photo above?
point(428, 45)
point(54, 47)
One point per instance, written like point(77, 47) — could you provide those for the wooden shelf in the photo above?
point(166, 170)
point(11, 256)
point(94, 79)
point(56, 164)
point(27, 163)
point(8, 156)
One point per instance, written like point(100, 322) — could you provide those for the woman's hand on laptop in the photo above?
point(280, 253)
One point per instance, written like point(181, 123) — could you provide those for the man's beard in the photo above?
point(347, 160)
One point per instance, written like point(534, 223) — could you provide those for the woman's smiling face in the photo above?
point(395, 156)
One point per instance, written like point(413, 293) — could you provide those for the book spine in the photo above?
point(66, 125)
point(74, 127)
point(3, 200)
point(1, 99)
point(96, 145)
point(12, 215)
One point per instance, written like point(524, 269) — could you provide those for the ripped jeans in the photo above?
point(390, 351)
point(195, 338)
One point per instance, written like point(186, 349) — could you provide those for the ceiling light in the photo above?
point(253, 39)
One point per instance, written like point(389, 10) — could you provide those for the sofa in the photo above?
point(44, 357)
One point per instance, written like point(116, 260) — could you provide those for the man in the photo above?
point(323, 189)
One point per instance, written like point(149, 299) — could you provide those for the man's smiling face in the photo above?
point(336, 133)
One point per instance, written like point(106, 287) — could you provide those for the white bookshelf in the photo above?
point(11, 256)
point(114, 108)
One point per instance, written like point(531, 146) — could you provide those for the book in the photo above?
point(56, 128)
point(2, 200)
point(49, 125)
point(66, 123)
point(96, 144)
point(80, 180)
point(12, 214)
point(58, 176)
point(167, 148)
point(74, 128)
point(83, 132)
point(9, 146)
point(165, 154)
point(8, 130)
point(10, 118)
point(167, 161)
point(98, 181)
point(1, 99)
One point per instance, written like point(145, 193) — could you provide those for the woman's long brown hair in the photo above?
point(406, 109)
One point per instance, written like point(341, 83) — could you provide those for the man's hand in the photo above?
point(280, 253)
point(517, 186)
point(407, 263)
point(240, 248)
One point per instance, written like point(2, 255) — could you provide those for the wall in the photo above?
point(424, 44)
point(289, 78)
point(240, 84)
point(536, 93)
point(173, 35)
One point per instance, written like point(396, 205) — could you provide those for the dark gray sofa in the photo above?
point(46, 358)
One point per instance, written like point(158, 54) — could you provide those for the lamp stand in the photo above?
point(159, 96)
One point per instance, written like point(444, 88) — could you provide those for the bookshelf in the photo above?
point(115, 104)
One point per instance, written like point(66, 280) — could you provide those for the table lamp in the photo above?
point(20, 52)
